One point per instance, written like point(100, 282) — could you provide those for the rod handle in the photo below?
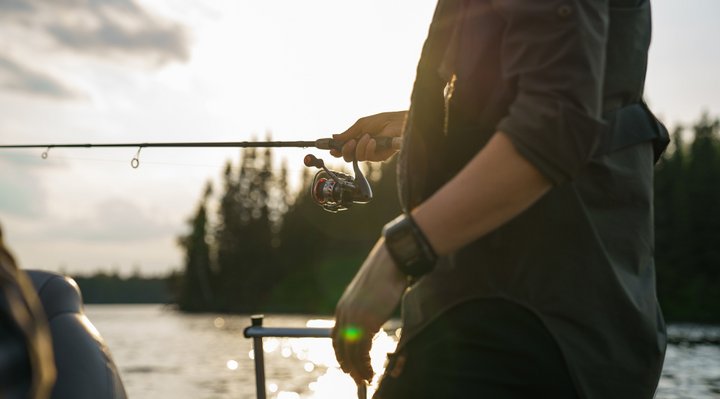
point(383, 143)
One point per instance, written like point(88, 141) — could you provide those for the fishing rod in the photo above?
point(333, 191)
point(321, 144)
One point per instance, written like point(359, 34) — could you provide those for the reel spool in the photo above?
point(336, 191)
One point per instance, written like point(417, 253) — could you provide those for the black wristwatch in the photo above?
point(408, 246)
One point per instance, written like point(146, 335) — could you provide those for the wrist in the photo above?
point(395, 276)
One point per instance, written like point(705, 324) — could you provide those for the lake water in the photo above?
point(165, 354)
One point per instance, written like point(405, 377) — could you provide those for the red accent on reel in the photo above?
point(318, 190)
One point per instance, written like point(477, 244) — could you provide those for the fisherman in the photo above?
point(524, 256)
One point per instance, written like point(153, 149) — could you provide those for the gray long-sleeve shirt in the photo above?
point(564, 80)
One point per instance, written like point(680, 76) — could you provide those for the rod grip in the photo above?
point(383, 143)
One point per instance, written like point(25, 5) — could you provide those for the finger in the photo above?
point(346, 340)
point(358, 359)
point(348, 150)
point(361, 147)
point(370, 150)
point(355, 343)
point(337, 345)
point(342, 349)
point(335, 153)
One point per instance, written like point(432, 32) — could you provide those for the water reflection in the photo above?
point(689, 374)
point(163, 354)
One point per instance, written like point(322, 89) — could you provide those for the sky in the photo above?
point(180, 70)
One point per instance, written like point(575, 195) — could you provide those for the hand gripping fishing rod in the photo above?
point(333, 191)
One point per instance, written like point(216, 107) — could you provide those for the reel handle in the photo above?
point(383, 143)
point(311, 160)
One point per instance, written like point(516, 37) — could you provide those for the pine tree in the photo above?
point(246, 255)
point(228, 237)
point(687, 191)
point(195, 289)
point(703, 184)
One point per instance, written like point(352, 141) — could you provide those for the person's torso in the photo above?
point(580, 258)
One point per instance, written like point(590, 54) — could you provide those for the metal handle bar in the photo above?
point(257, 332)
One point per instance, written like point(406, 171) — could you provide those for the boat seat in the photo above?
point(85, 368)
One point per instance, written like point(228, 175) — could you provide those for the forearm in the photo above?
point(494, 187)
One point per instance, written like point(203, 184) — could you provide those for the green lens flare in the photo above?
point(352, 333)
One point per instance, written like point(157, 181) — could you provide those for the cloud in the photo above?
point(21, 192)
point(110, 32)
point(21, 199)
point(34, 31)
point(112, 220)
point(99, 28)
point(17, 77)
point(15, 6)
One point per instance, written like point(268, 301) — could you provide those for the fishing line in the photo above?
point(117, 161)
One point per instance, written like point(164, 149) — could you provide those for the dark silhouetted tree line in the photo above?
point(271, 250)
point(687, 217)
point(105, 288)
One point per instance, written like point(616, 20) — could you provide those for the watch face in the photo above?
point(405, 246)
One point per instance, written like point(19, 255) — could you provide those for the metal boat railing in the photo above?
point(257, 332)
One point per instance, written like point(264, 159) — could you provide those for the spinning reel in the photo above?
point(336, 191)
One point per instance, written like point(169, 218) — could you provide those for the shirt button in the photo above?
point(564, 11)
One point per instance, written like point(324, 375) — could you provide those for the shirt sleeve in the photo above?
point(555, 52)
